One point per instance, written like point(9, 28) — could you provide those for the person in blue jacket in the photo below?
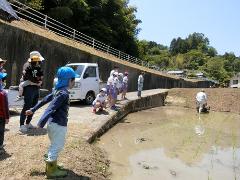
point(56, 115)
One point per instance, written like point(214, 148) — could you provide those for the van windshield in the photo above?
point(78, 69)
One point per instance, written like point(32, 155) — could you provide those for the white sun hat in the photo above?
point(34, 54)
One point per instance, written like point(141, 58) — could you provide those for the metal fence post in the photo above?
point(135, 60)
point(74, 33)
point(93, 43)
point(45, 22)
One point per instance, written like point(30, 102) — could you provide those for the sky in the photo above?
point(163, 20)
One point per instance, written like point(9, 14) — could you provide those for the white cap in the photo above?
point(2, 60)
point(120, 74)
point(104, 89)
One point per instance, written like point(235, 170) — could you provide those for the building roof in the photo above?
point(176, 72)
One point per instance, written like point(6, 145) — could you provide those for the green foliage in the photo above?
point(194, 59)
point(35, 4)
point(110, 21)
point(114, 22)
point(215, 69)
point(192, 54)
point(195, 41)
point(211, 51)
point(61, 13)
point(178, 45)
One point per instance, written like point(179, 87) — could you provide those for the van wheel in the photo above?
point(89, 98)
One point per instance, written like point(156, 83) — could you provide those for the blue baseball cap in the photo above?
point(64, 74)
point(3, 75)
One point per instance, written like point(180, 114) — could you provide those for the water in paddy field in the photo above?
point(174, 143)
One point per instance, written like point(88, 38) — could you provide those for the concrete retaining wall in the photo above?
point(16, 43)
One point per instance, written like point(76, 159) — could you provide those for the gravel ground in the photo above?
point(24, 154)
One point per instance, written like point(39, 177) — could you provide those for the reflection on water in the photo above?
point(199, 127)
point(174, 143)
point(153, 164)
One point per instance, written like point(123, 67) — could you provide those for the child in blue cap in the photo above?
point(4, 111)
point(56, 115)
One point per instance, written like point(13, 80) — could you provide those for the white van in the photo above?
point(87, 85)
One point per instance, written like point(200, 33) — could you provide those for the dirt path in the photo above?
point(24, 154)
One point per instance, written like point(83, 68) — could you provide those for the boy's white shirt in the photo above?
point(140, 79)
point(112, 72)
point(125, 79)
point(100, 98)
point(201, 97)
point(115, 81)
point(110, 80)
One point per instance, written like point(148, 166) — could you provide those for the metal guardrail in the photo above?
point(42, 20)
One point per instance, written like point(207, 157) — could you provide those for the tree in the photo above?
point(110, 21)
point(197, 41)
point(163, 59)
point(179, 45)
point(194, 59)
point(211, 51)
point(215, 69)
point(35, 4)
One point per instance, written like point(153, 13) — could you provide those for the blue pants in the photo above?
point(56, 134)
point(31, 95)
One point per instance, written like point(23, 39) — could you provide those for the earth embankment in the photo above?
point(219, 99)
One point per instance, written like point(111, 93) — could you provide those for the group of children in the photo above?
point(117, 83)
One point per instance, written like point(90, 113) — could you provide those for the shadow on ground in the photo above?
point(14, 112)
point(79, 104)
point(71, 175)
point(36, 132)
point(103, 112)
point(4, 155)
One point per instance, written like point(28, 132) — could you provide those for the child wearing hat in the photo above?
point(115, 69)
point(56, 115)
point(114, 91)
point(4, 111)
point(140, 84)
point(125, 85)
point(100, 101)
point(120, 82)
point(2, 62)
